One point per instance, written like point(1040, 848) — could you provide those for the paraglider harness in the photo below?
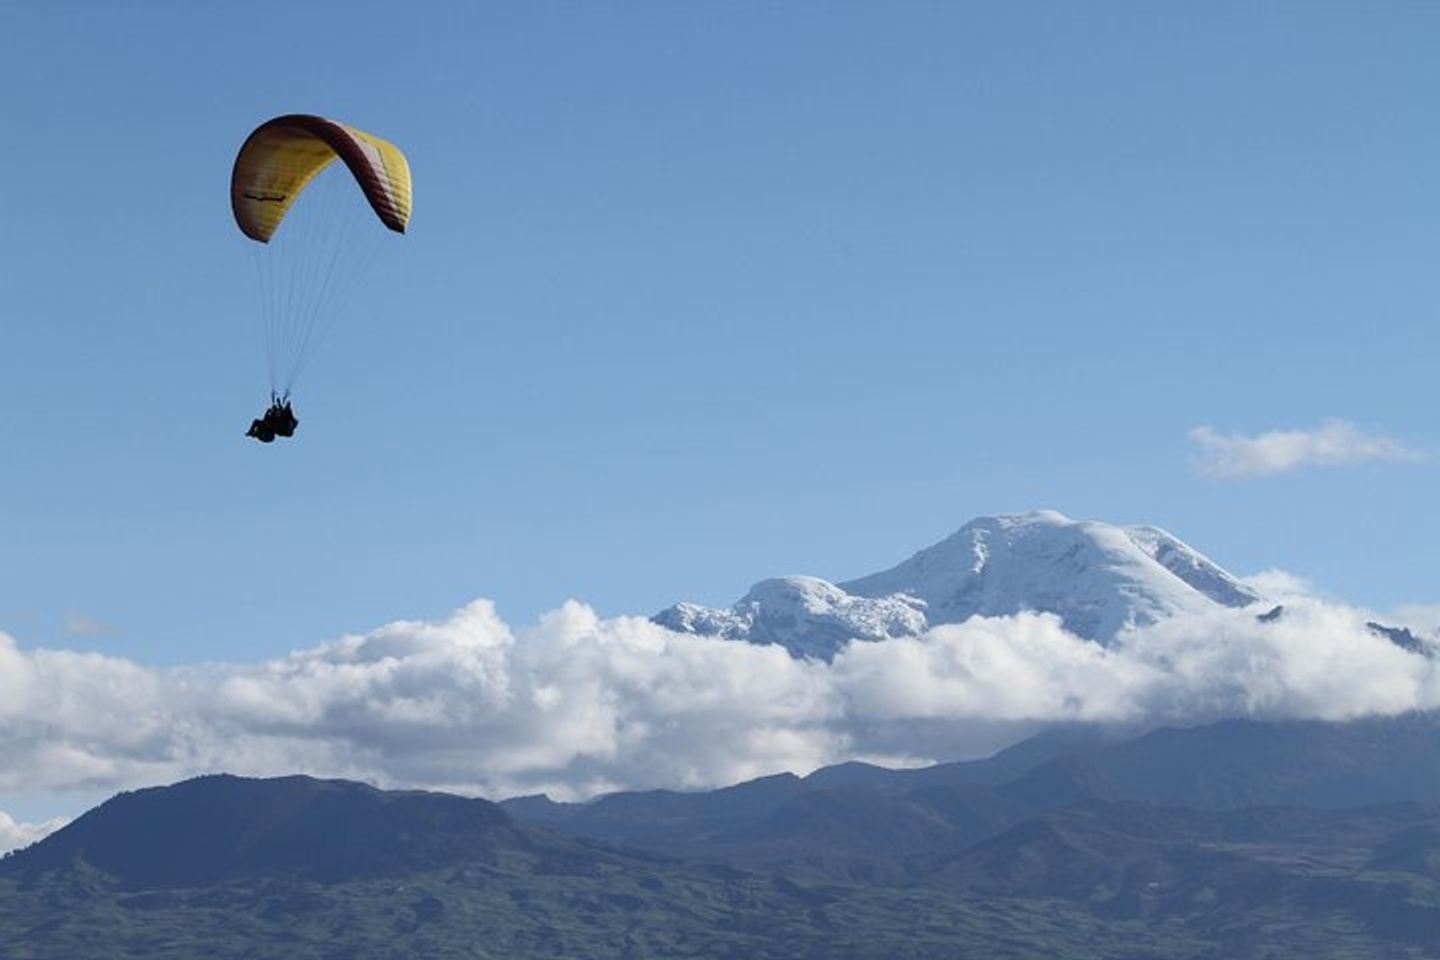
point(279, 421)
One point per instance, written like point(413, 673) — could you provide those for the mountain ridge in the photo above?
point(1042, 850)
point(210, 828)
point(1221, 766)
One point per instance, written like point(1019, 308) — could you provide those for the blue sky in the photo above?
point(696, 294)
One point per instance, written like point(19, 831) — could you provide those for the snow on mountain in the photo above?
point(1097, 577)
point(810, 617)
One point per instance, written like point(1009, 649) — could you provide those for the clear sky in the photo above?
point(696, 294)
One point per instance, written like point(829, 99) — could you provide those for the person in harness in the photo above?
point(279, 421)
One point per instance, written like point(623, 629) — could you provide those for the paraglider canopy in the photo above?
point(310, 270)
point(282, 156)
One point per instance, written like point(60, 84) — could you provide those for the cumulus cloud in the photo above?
point(1334, 443)
point(575, 704)
point(1281, 585)
point(1424, 619)
point(15, 835)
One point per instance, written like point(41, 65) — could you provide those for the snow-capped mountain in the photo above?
point(810, 617)
point(1097, 577)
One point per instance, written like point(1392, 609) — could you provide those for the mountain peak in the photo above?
point(1030, 517)
point(1099, 578)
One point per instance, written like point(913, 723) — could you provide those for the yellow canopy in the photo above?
point(283, 155)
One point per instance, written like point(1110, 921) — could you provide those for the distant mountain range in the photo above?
point(1097, 577)
point(1238, 839)
point(1224, 766)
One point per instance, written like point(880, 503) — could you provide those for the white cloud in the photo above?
point(1334, 443)
point(14, 835)
point(1317, 661)
point(1422, 618)
point(576, 705)
point(1281, 585)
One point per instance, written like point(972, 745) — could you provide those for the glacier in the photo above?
point(1100, 579)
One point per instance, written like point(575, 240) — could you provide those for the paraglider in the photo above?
point(278, 421)
point(313, 263)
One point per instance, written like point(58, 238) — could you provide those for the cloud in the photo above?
point(14, 835)
point(1334, 443)
point(1281, 585)
point(1424, 619)
point(575, 704)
